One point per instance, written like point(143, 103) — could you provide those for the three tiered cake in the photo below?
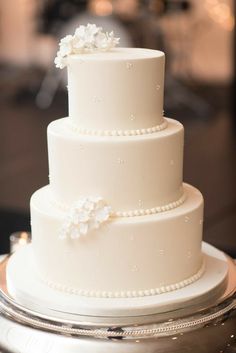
point(116, 220)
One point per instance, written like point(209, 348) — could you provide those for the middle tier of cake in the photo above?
point(136, 174)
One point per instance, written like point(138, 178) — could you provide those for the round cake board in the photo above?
point(25, 287)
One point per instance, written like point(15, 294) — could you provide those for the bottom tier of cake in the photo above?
point(125, 257)
point(26, 288)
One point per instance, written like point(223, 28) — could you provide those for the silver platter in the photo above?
point(201, 329)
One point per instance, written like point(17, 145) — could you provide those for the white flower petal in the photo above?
point(83, 228)
point(78, 43)
point(60, 62)
point(80, 31)
point(66, 45)
point(73, 218)
point(102, 214)
point(89, 205)
point(83, 216)
point(75, 233)
point(66, 40)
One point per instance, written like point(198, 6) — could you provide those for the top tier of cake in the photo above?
point(118, 90)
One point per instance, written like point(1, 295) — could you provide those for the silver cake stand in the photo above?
point(201, 328)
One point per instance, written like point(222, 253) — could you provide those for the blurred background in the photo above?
point(198, 38)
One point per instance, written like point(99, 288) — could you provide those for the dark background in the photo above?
point(200, 77)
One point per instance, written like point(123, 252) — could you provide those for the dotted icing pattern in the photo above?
point(128, 294)
point(134, 132)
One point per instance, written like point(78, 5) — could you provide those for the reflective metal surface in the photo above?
point(204, 329)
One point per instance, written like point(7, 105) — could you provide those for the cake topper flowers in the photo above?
point(86, 214)
point(86, 39)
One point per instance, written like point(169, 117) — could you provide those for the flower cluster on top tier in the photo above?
point(86, 214)
point(85, 39)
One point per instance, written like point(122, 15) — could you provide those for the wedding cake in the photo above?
point(116, 220)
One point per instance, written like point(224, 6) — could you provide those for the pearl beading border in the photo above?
point(134, 132)
point(134, 213)
point(129, 293)
point(150, 211)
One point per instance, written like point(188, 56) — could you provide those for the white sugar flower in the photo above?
point(83, 228)
point(60, 62)
point(92, 30)
point(87, 34)
point(86, 214)
point(74, 233)
point(111, 40)
point(89, 205)
point(83, 216)
point(85, 39)
point(102, 214)
point(101, 40)
point(98, 202)
point(66, 45)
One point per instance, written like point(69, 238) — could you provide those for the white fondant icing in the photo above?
point(123, 169)
point(159, 248)
point(116, 145)
point(128, 294)
point(25, 287)
point(123, 92)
